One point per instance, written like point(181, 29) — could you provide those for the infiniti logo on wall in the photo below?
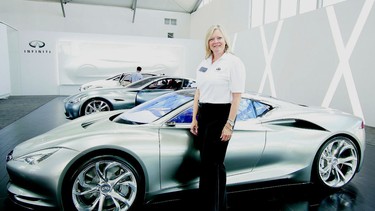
point(37, 47)
point(37, 44)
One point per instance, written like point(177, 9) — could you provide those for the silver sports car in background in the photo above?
point(119, 80)
point(120, 159)
point(108, 99)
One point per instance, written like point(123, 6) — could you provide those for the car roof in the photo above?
point(169, 76)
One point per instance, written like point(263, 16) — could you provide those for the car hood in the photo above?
point(67, 135)
point(102, 83)
point(98, 92)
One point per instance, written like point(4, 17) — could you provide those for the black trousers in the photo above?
point(212, 184)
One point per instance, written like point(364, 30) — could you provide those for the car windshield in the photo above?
point(114, 78)
point(141, 82)
point(154, 109)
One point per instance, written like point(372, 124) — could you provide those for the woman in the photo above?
point(220, 82)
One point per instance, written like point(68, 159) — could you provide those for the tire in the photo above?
point(336, 163)
point(96, 105)
point(104, 183)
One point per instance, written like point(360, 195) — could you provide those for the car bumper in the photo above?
point(28, 199)
point(38, 185)
point(72, 110)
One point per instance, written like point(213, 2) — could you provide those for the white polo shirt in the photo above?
point(217, 81)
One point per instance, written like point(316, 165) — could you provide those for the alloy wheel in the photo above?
point(105, 185)
point(338, 162)
point(96, 106)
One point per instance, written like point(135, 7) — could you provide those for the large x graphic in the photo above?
point(344, 53)
point(268, 58)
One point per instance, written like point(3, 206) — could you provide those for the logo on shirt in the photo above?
point(203, 69)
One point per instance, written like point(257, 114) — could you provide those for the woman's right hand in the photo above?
point(194, 127)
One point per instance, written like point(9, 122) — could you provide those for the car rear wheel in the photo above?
point(96, 105)
point(336, 162)
point(105, 183)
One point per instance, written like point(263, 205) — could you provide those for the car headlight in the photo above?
point(37, 157)
point(77, 99)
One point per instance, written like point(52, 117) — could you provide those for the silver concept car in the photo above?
point(119, 80)
point(108, 99)
point(118, 160)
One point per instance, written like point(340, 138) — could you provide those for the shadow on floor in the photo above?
point(294, 198)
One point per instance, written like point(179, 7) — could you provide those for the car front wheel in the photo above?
point(96, 105)
point(105, 183)
point(336, 162)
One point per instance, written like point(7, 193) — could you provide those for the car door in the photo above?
point(246, 145)
point(179, 156)
point(179, 153)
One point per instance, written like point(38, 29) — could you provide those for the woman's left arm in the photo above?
point(227, 130)
point(236, 99)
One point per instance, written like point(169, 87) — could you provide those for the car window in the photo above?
point(248, 109)
point(166, 83)
point(114, 78)
point(184, 117)
point(127, 77)
point(261, 108)
point(245, 110)
point(174, 84)
point(159, 84)
point(189, 84)
point(152, 110)
point(141, 83)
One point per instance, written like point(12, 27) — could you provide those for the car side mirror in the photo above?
point(171, 124)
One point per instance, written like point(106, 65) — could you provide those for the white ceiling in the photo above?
point(184, 6)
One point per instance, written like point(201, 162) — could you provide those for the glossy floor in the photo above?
point(358, 195)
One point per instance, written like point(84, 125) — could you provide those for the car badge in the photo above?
point(9, 157)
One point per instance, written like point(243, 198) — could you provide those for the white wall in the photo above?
point(4, 63)
point(40, 72)
point(322, 58)
point(233, 15)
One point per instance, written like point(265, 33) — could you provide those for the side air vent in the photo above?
point(86, 124)
point(297, 123)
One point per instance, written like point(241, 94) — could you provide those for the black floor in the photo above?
point(358, 195)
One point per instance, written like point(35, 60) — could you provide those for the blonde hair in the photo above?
point(210, 31)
